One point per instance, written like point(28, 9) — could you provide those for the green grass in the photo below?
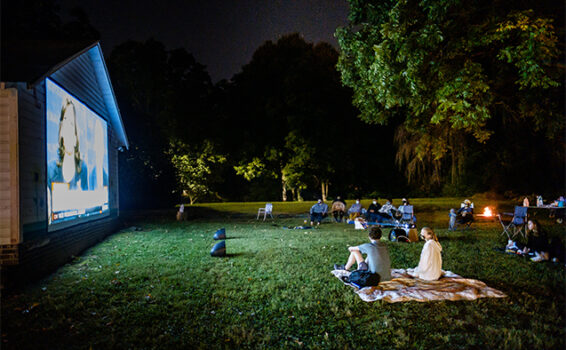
point(159, 288)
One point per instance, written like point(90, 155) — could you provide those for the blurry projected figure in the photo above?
point(69, 168)
point(77, 160)
point(98, 176)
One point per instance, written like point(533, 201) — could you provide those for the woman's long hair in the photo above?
point(536, 231)
point(61, 149)
point(429, 230)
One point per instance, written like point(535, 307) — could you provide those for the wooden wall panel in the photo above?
point(9, 169)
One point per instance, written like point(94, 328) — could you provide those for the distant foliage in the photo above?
point(196, 169)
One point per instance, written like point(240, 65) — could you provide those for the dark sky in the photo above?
point(221, 34)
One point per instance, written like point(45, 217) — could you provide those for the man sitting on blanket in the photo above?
point(377, 260)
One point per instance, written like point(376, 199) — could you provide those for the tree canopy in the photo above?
point(296, 120)
point(459, 75)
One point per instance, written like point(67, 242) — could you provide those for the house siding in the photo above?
point(38, 251)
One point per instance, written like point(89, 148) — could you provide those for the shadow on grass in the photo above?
point(235, 255)
point(459, 238)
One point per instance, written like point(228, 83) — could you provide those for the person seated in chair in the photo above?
point(377, 260)
point(402, 209)
point(465, 214)
point(318, 212)
point(387, 211)
point(338, 209)
point(373, 210)
point(355, 210)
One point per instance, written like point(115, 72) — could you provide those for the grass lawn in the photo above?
point(159, 288)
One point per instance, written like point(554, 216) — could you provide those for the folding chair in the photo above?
point(266, 211)
point(517, 225)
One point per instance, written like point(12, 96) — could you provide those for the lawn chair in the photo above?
point(517, 225)
point(266, 211)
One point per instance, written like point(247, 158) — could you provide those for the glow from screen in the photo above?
point(77, 160)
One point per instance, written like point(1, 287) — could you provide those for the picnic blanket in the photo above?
point(404, 287)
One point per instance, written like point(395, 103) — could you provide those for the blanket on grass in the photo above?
point(404, 287)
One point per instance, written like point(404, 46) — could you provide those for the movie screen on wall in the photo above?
point(77, 160)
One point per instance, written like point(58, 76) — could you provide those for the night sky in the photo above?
point(221, 34)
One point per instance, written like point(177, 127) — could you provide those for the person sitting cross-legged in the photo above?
point(318, 212)
point(430, 263)
point(537, 246)
point(377, 260)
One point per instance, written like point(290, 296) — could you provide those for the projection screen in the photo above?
point(77, 160)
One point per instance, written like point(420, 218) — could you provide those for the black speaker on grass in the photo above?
point(219, 249)
point(220, 234)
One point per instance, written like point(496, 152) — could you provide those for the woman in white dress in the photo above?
point(430, 265)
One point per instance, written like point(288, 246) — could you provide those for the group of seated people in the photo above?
point(375, 212)
point(377, 259)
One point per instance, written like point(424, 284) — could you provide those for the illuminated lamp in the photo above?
point(219, 249)
point(220, 234)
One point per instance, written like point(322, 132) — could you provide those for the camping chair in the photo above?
point(266, 211)
point(517, 225)
point(407, 214)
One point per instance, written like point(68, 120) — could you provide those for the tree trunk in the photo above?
point(324, 189)
point(453, 169)
point(283, 188)
point(299, 197)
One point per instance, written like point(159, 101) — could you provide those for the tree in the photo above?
point(196, 168)
point(453, 72)
point(164, 97)
point(284, 99)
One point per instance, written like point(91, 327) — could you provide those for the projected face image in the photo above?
point(77, 160)
point(69, 154)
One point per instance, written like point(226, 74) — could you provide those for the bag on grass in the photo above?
point(398, 235)
point(363, 278)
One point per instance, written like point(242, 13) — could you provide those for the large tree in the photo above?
point(460, 75)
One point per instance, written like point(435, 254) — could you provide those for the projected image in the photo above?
point(77, 160)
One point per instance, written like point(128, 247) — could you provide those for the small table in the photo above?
point(559, 214)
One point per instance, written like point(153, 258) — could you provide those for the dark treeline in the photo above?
point(284, 124)
point(284, 127)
